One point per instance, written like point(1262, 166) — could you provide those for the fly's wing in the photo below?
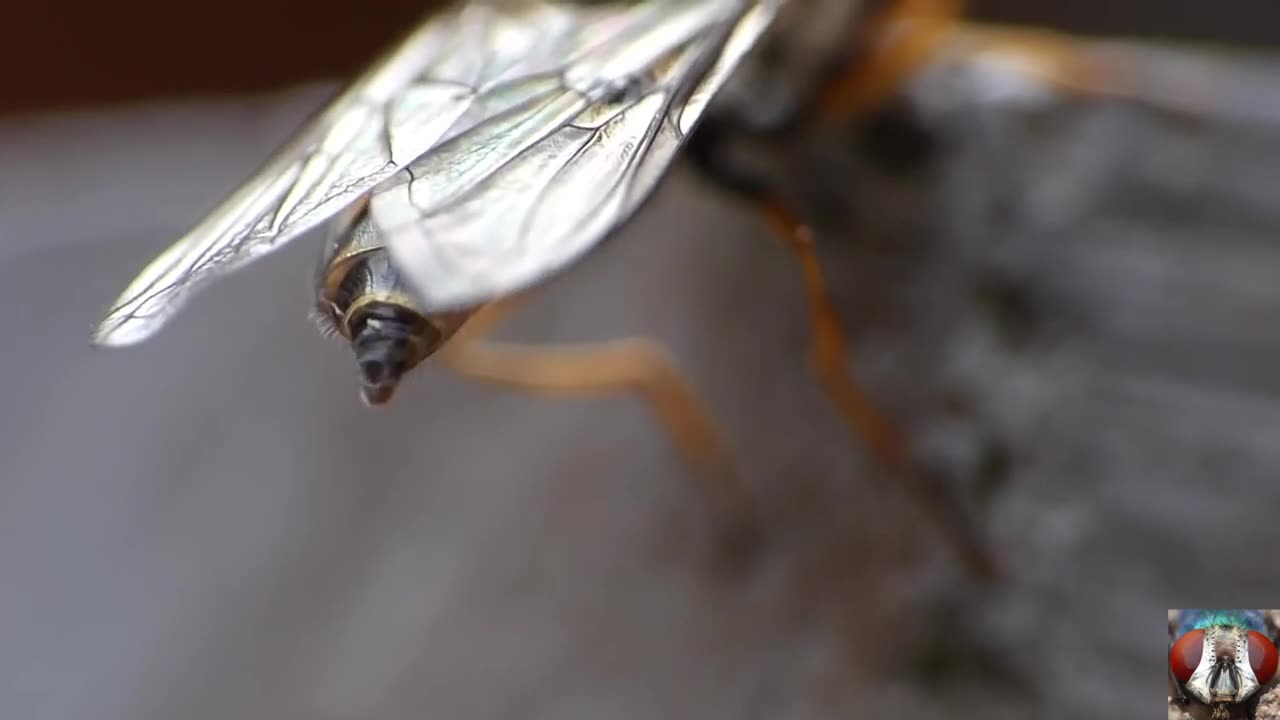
point(433, 86)
point(526, 191)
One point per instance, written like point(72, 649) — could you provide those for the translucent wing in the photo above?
point(527, 190)
point(457, 71)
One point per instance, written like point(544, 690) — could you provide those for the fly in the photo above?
point(496, 145)
point(1219, 660)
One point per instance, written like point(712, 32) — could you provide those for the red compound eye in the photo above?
point(1184, 656)
point(1262, 656)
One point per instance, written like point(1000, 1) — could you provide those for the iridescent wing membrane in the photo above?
point(496, 144)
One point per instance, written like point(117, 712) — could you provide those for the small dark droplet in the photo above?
point(1011, 307)
point(896, 139)
point(373, 371)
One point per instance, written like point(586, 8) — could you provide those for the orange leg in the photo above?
point(1053, 58)
point(888, 49)
point(629, 365)
point(898, 42)
point(828, 355)
point(888, 445)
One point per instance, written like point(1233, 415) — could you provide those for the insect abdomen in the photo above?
point(362, 298)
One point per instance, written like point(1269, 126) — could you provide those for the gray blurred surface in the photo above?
point(210, 525)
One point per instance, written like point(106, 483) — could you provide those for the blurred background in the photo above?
point(1068, 301)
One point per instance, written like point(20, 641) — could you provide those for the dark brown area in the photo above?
point(1247, 22)
point(85, 53)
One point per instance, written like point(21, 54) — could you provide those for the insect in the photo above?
point(1220, 661)
point(497, 144)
